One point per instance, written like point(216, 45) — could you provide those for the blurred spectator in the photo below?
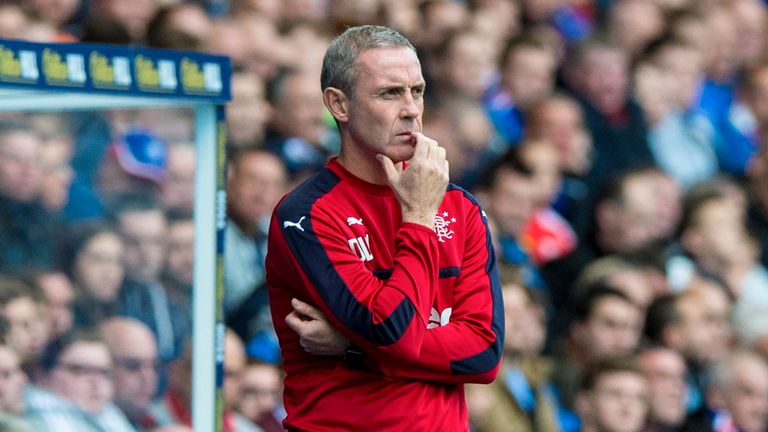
point(751, 107)
point(75, 394)
point(682, 139)
point(737, 396)
point(59, 14)
point(261, 395)
point(94, 258)
point(619, 272)
point(665, 370)
point(597, 71)
point(55, 158)
point(144, 229)
point(522, 398)
point(256, 181)
point(438, 19)
point(249, 112)
point(13, 21)
point(461, 126)
point(527, 76)
point(181, 26)
point(177, 190)
point(715, 236)
point(558, 119)
point(698, 329)
point(630, 214)
point(134, 355)
point(264, 50)
point(613, 397)
point(26, 228)
point(462, 66)
point(131, 15)
point(12, 384)
point(178, 273)
point(546, 234)
point(22, 308)
point(633, 24)
point(175, 407)
point(606, 324)
point(509, 199)
point(58, 297)
point(298, 132)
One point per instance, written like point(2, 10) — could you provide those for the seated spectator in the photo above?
point(522, 398)
point(134, 355)
point(606, 324)
point(176, 405)
point(697, 327)
point(58, 297)
point(758, 206)
point(75, 393)
point(26, 228)
point(177, 190)
point(298, 131)
point(261, 395)
point(558, 119)
point(249, 112)
point(178, 273)
point(736, 396)
point(12, 383)
point(613, 396)
point(144, 228)
point(665, 371)
point(93, 255)
point(22, 308)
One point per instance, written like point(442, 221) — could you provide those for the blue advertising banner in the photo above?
point(108, 69)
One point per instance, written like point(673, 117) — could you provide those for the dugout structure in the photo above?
point(36, 77)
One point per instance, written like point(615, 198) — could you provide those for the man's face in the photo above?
point(83, 375)
point(20, 166)
point(59, 296)
point(99, 266)
point(144, 233)
point(612, 330)
point(28, 330)
point(746, 397)
point(301, 112)
point(181, 248)
point(511, 201)
point(665, 371)
point(261, 387)
point(256, 183)
point(387, 103)
point(530, 75)
point(135, 368)
point(12, 382)
point(704, 326)
point(620, 402)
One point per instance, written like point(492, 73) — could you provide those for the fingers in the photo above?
point(294, 322)
point(307, 310)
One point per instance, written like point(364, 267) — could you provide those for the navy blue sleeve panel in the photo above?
point(390, 314)
point(468, 348)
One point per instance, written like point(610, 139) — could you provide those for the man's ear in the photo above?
point(337, 103)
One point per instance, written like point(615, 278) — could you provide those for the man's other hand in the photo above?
point(316, 335)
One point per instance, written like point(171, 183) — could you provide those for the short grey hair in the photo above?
point(340, 64)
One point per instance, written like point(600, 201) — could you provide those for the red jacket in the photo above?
point(424, 305)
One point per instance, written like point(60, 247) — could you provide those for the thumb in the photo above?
point(388, 166)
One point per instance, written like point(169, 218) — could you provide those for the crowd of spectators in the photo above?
point(617, 147)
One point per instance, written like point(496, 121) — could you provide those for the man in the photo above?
point(77, 389)
point(134, 354)
point(400, 262)
point(26, 228)
point(144, 229)
point(613, 397)
point(737, 396)
point(12, 384)
point(665, 370)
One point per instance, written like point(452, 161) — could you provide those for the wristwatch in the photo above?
point(354, 357)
